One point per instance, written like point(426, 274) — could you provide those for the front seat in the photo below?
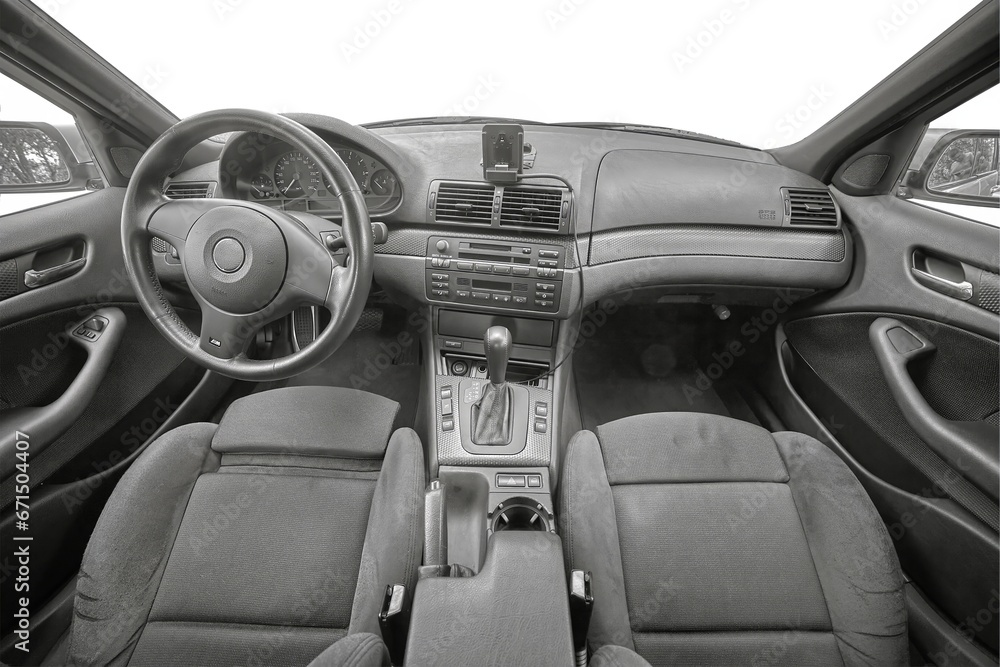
point(259, 541)
point(714, 541)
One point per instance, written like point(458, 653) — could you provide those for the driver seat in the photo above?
point(262, 540)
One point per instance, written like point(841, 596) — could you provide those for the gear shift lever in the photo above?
point(497, 341)
point(491, 415)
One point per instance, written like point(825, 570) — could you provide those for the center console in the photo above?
point(494, 588)
point(516, 276)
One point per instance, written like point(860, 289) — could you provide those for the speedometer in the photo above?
point(296, 175)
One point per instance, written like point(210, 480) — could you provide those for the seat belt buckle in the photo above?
point(581, 607)
point(394, 621)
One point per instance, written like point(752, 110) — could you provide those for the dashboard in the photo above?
point(628, 212)
point(278, 175)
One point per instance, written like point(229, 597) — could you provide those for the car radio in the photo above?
point(521, 276)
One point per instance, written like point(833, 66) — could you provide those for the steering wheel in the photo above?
point(246, 264)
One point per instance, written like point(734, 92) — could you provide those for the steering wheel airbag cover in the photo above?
point(217, 236)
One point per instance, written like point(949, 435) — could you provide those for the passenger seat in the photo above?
point(714, 541)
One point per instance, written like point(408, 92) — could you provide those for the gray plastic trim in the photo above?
point(717, 240)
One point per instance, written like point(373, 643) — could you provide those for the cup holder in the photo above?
point(520, 514)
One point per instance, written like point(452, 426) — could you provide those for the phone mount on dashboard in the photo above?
point(503, 146)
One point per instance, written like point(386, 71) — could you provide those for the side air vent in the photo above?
point(810, 207)
point(190, 190)
point(531, 207)
point(469, 203)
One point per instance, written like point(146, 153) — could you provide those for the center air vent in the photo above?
point(190, 190)
point(810, 207)
point(470, 203)
point(533, 207)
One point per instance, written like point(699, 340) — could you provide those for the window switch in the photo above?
point(447, 408)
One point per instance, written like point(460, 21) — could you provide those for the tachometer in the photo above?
point(296, 175)
point(356, 162)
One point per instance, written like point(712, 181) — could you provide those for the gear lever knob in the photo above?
point(497, 341)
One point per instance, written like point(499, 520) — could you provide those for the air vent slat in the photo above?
point(531, 207)
point(464, 202)
point(814, 208)
point(192, 190)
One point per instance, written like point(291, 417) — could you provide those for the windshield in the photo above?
point(763, 73)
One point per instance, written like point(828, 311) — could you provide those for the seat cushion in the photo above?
point(247, 557)
point(713, 541)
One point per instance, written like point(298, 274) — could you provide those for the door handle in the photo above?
point(33, 278)
point(970, 447)
point(961, 291)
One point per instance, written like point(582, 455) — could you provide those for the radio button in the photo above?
point(462, 294)
point(546, 287)
point(543, 295)
point(554, 254)
point(439, 292)
point(442, 246)
point(547, 263)
point(439, 276)
point(521, 300)
point(481, 295)
point(521, 271)
point(484, 268)
point(505, 270)
point(543, 304)
point(502, 298)
point(465, 266)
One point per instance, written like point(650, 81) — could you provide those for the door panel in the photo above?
point(939, 501)
point(90, 224)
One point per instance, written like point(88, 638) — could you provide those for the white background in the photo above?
point(763, 72)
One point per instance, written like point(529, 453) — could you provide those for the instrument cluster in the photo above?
point(289, 179)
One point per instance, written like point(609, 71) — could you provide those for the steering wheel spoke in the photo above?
point(311, 267)
point(225, 335)
point(173, 219)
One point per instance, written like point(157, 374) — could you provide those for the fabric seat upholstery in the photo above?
point(263, 540)
point(713, 541)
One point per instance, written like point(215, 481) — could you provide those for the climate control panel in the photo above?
point(518, 276)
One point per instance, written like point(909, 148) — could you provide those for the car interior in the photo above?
point(279, 389)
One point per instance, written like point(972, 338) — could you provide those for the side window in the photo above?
point(954, 168)
point(43, 158)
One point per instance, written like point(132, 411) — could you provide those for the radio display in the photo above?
point(486, 257)
point(490, 284)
